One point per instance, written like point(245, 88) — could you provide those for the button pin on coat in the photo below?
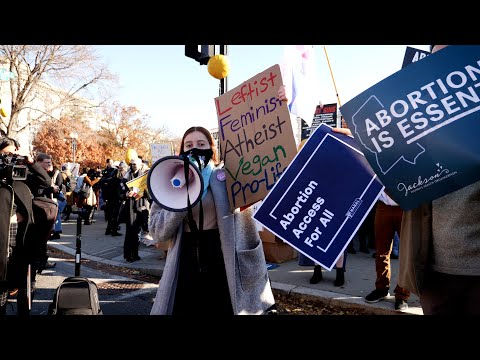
point(221, 175)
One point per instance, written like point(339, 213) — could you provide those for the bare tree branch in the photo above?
point(62, 76)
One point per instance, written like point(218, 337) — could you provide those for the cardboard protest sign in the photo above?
point(419, 127)
point(256, 137)
point(138, 185)
point(161, 150)
point(322, 198)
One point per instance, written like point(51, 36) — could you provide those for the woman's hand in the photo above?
point(344, 131)
point(282, 95)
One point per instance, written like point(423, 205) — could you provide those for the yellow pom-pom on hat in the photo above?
point(218, 66)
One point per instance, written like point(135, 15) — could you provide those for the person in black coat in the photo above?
point(112, 195)
point(16, 195)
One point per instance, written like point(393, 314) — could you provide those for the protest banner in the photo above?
point(322, 198)
point(300, 77)
point(256, 137)
point(161, 150)
point(324, 114)
point(419, 127)
point(138, 185)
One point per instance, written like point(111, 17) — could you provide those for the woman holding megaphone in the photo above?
point(215, 263)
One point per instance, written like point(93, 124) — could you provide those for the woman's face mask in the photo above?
point(201, 156)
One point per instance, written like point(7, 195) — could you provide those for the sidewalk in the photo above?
point(286, 277)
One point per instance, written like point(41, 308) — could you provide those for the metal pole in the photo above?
point(74, 148)
point(223, 82)
point(223, 89)
point(78, 245)
point(331, 73)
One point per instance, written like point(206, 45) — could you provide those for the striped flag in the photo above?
point(299, 75)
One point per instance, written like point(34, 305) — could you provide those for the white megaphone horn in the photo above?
point(168, 187)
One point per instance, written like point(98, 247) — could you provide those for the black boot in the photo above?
point(317, 275)
point(340, 279)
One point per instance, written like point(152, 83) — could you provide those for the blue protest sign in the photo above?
point(322, 198)
point(413, 55)
point(419, 127)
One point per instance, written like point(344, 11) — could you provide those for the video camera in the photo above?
point(13, 167)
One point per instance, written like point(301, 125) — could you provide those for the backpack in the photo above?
point(76, 295)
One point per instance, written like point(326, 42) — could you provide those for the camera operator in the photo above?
point(16, 194)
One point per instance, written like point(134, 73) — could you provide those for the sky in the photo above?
point(177, 92)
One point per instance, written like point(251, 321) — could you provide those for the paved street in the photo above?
point(119, 295)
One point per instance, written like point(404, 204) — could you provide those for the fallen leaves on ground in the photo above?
point(294, 305)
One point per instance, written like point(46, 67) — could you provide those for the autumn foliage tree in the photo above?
point(125, 127)
point(121, 128)
point(53, 138)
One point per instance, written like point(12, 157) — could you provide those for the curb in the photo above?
point(343, 301)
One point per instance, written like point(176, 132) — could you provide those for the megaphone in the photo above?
point(168, 187)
